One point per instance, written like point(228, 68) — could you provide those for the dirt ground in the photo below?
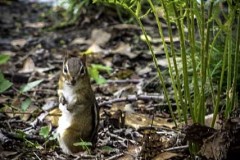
point(135, 120)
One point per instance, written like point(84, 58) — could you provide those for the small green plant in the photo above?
point(25, 88)
point(25, 104)
point(107, 149)
point(44, 131)
point(4, 83)
point(4, 58)
point(85, 145)
point(94, 72)
point(22, 135)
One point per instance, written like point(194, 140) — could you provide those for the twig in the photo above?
point(20, 61)
point(77, 157)
point(18, 112)
point(37, 156)
point(175, 148)
point(3, 138)
point(125, 81)
point(115, 156)
point(19, 137)
point(116, 136)
point(132, 98)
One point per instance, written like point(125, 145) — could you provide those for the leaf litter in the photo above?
point(135, 120)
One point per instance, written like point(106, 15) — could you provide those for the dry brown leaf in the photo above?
point(166, 155)
point(3, 99)
point(100, 37)
point(134, 150)
point(35, 25)
point(94, 48)
point(15, 110)
point(46, 69)
point(54, 116)
point(18, 42)
point(124, 49)
point(167, 39)
point(126, 157)
point(8, 154)
point(80, 40)
point(158, 50)
point(125, 26)
point(10, 53)
point(137, 120)
point(142, 71)
point(31, 109)
point(28, 66)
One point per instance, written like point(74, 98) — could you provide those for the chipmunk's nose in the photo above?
point(73, 81)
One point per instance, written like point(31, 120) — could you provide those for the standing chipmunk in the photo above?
point(80, 112)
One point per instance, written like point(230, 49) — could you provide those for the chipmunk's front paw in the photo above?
point(62, 100)
point(69, 107)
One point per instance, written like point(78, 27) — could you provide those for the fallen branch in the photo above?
point(125, 81)
point(115, 156)
point(132, 98)
point(22, 137)
point(18, 112)
point(175, 148)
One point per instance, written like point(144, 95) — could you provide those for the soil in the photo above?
point(135, 120)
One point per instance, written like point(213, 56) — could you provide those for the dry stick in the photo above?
point(20, 61)
point(175, 148)
point(132, 98)
point(115, 156)
point(125, 81)
point(120, 138)
point(3, 138)
point(84, 156)
point(17, 112)
point(37, 156)
point(116, 136)
point(20, 137)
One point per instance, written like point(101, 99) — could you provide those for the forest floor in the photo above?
point(135, 120)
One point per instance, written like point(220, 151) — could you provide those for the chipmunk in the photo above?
point(80, 112)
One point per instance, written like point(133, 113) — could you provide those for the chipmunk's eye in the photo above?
point(82, 70)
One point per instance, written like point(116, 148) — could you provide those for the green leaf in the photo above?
point(29, 86)
point(93, 73)
point(25, 104)
point(4, 58)
point(44, 131)
point(4, 83)
point(100, 80)
point(85, 144)
point(100, 67)
point(107, 148)
point(20, 134)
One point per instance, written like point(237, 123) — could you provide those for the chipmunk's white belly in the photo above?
point(68, 93)
point(63, 123)
point(66, 119)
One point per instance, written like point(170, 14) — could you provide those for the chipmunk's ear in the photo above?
point(83, 59)
point(66, 56)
